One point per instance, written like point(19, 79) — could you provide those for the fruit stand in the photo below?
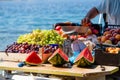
point(94, 73)
point(69, 49)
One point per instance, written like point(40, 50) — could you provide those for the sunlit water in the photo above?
point(22, 16)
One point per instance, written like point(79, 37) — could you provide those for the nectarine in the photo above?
point(103, 39)
point(108, 42)
point(106, 32)
point(89, 32)
point(117, 37)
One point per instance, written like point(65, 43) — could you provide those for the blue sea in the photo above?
point(18, 17)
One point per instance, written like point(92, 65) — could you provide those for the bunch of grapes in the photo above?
point(41, 37)
point(22, 48)
point(51, 37)
point(50, 48)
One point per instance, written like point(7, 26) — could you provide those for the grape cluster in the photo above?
point(22, 48)
point(50, 48)
point(41, 37)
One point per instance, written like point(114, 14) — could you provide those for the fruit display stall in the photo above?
point(63, 53)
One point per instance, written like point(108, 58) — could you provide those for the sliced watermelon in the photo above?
point(58, 58)
point(33, 59)
point(84, 59)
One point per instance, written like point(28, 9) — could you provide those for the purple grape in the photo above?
point(22, 48)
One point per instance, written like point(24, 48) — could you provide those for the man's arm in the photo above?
point(91, 14)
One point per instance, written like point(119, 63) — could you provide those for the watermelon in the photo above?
point(33, 59)
point(85, 58)
point(58, 58)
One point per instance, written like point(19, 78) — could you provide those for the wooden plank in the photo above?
point(13, 56)
point(10, 63)
point(49, 69)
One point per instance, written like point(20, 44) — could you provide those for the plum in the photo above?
point(112, 39)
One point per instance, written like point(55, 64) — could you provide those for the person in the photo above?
point(110, 7)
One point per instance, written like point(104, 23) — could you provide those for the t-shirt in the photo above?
point(113, 10)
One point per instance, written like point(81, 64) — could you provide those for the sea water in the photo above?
point(18, 17)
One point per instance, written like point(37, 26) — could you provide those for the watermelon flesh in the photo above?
point(58, 58)
point(84, 59)
point(33, 59)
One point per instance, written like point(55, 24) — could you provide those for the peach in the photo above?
point(89, 32)
point(78, 36)
point(103, 39)
point(64, 36)
point(106, 32)
point(73, 37)
point(117, 37)
point(116, 30)
point(99, 39)
point(112, 30)
point(108, 42)
point(114, 34)
point(114, 40)
point(108, 35)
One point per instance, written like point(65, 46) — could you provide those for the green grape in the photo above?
point(41, 37)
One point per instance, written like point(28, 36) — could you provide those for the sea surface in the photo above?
point(18, 17)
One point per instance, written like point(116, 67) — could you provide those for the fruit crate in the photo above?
point(104, 58)
point(113, 29)
point(114, 26)
point(95, 26)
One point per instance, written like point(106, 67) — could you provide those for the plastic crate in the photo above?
point(104, 58)
point(114, 26)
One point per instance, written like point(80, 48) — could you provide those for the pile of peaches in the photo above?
point(110, 36)
point(113, 50)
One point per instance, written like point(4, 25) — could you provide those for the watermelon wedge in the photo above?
point(33, 59)
point(84, 59)
point(58, 58)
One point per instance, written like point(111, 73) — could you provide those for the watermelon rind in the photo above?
point(33, 59)
point(58, 58)
point(32, 64)
point(83, 62)
point(85, 58)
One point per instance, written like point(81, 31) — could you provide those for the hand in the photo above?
point(85, 21)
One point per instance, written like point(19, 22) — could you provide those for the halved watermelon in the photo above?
point(84, 59)
point(33, 59)
point(58, 58)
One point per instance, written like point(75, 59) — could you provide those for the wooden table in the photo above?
point(93, 73)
